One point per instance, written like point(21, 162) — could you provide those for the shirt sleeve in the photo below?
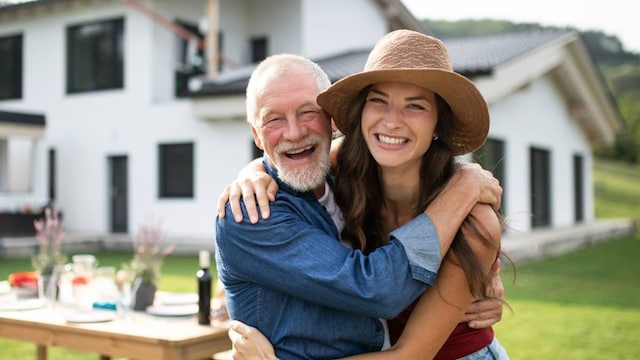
point(288, 254)
point(422, 245)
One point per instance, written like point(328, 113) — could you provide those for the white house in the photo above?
point(112, 108)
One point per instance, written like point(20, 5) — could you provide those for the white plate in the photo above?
point(22, 304)
point(173, 310)
point(5, 287)
point(90, 316)
point(167, 298)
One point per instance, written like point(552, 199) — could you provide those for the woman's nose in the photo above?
point(392, 118)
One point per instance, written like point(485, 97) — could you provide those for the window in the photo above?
point(540, 187)
point(191, 58)
point(578, 188)
point(492, 157)
point(11, 67)
point(258, 49)
point(95, 56)
point(52, 174)
point(176, 170)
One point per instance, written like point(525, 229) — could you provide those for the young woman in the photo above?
point(405, 118)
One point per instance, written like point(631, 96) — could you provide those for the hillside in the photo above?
point(620, 69)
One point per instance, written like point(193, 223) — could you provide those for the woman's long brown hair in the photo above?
point(359, 194)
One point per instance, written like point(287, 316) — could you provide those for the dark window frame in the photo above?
point(176, 170)
point(186, 71)
point(492, 156)
point(51, 170)
point(11, 67)
point(541, 192)
point(95, 60)
point(259, 48)
point(578, 187)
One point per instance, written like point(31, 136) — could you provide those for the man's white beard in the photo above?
point(309, 177)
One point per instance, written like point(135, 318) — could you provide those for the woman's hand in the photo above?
point(219, 304)
point(253, 185)
point(249, 343)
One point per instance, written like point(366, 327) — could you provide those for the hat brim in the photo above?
point(470, 112)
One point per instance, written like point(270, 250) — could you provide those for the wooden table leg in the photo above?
point(41, 352)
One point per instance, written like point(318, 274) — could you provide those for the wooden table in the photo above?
point(134, 335)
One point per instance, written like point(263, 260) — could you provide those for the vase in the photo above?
point(143, 295)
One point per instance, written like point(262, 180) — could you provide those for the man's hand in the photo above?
point(486, 312)
point(473, 176)
point(248, 343)
point(253, 185)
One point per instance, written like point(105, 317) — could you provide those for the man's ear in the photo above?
point(256, 138)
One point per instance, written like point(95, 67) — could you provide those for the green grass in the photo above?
point(584, 305)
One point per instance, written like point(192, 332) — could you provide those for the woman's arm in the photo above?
point(253, 184)
point(256, 187)
point(443, 305)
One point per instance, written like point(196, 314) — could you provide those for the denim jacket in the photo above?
point(312, 297)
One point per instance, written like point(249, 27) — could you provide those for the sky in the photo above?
point(612, 17)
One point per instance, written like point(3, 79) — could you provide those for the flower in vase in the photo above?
point(146, 265)
point(49, 235)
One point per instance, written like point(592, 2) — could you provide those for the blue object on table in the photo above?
point(105, 305)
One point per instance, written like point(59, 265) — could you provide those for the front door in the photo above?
point(118, 200)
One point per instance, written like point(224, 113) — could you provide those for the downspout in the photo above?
point(212, 38)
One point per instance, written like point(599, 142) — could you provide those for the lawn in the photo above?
point(584, 305)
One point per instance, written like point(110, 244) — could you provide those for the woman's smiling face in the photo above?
point(398, 121)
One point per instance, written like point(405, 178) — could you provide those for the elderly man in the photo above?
point(287, 275)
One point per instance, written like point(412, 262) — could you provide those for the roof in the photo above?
point(21, 124)
point(22, 118)
point(469, 56)
point(480, 55)
point(26, 4)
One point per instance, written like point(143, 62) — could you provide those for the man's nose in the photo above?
point(295, 129)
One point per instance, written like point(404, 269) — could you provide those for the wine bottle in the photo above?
point(204, 289)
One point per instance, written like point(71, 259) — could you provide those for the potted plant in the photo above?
point(49, 235)
point(145, 267)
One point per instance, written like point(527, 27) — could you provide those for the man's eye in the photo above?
point(273, 122)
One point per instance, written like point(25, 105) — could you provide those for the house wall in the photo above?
point(329, 27)
point(536, 116)
point(87, 128)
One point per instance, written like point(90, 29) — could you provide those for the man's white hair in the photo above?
point(281, 63)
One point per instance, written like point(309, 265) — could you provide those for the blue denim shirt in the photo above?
point(313, 298)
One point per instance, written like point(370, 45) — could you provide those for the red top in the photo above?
point(462, 341)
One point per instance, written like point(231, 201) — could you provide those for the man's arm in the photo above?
point(289, 255)
point(469, 185)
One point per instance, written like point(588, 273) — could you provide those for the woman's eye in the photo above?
point(376, 100)
point(416, 107)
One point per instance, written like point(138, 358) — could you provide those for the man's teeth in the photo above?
point(294, 152)
point(391, 140)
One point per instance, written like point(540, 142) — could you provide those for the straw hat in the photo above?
point(411, 57)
